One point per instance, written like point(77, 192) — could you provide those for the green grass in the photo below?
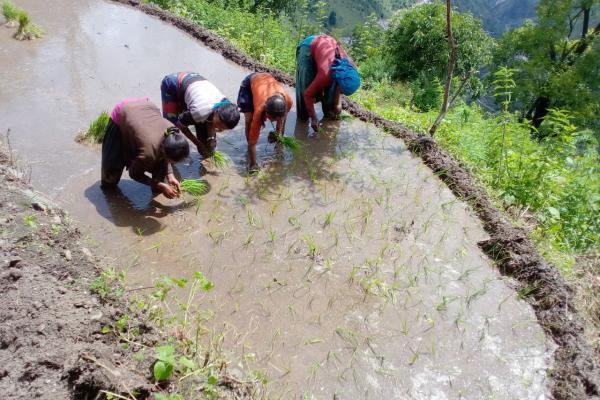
point(555, 183)
point(194, 187)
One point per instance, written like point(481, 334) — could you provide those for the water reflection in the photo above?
point(132, 205)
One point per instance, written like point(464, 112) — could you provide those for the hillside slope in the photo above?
point(497, 15)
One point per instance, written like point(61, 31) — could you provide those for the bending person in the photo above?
point(189, 99)
point(142, 141)
point(323, 71)
point(262, 97)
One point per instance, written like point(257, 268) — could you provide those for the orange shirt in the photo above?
point(263, 86)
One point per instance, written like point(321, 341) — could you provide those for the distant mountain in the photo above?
point(498, 16)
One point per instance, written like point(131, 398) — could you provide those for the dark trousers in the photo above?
point(113, 159)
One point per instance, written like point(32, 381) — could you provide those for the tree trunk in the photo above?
point(539, 111)
point(586, 22)
point(451, 64)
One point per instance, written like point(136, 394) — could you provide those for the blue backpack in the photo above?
point(345, 75)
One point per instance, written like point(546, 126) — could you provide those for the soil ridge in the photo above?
point(576, 374)
point(51, 344)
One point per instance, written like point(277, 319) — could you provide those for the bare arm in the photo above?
point(280, 128)
point(186, 131)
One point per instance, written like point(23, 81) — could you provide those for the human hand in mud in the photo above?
point(171, 180)
point(314, 124)
point(168, 191)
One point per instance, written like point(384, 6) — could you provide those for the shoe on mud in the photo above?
point(253, 169)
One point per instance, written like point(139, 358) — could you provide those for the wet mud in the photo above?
point(576, 371)
point(347, 270)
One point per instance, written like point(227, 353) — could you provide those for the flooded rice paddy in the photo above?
point(347, 269)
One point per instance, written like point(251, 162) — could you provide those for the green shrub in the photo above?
point(428, 92)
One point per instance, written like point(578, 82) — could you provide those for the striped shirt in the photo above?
point(200, 99)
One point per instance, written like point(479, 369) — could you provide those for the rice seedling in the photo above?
point(348, 336)
point(248, 240)
point(313, 248)
point(27, 30)
point(290, 143)
point(253, 218)
point(10, 13)
point(195, 187)
point(328, 219)
point(244, 200)
point(218, 236)
point(295, 222)
point(95, 132)
point(414, 357)
point(220, 160)
point(224, 186)
point(272, 236)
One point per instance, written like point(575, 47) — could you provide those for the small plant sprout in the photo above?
point(30, 221)
point(328, 219)
point(27, 30)
point(313, 249)
point(253, 218)
point(95, 132)
point(220, 160)
point(295, 222)
point(272, 235)
point(10, 13)
point(249, 240)
point(194, 187)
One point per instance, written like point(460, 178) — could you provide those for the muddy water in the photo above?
point(345, 269)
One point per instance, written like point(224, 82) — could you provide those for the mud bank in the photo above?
point(576, 373)
point(52, 344)
point(50, 341)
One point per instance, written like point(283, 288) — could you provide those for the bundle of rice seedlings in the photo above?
point(27, 30)
point(10, 13)
point(95, 132)
point(194, 187)
point(289, 142)
point(220, 160)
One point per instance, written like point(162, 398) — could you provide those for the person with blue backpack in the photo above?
point(324, 71)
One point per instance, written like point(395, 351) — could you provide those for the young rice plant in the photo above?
point(194, 187)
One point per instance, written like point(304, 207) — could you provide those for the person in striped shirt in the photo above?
point(261, 98)
point(189, 99)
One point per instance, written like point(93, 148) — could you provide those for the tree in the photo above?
point(453, 50)
point(417, 42)
point(554, 60)
point(366, 38)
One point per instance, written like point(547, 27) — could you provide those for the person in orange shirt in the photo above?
point(262, 97)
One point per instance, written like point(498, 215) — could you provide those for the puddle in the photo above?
point(347, 269)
